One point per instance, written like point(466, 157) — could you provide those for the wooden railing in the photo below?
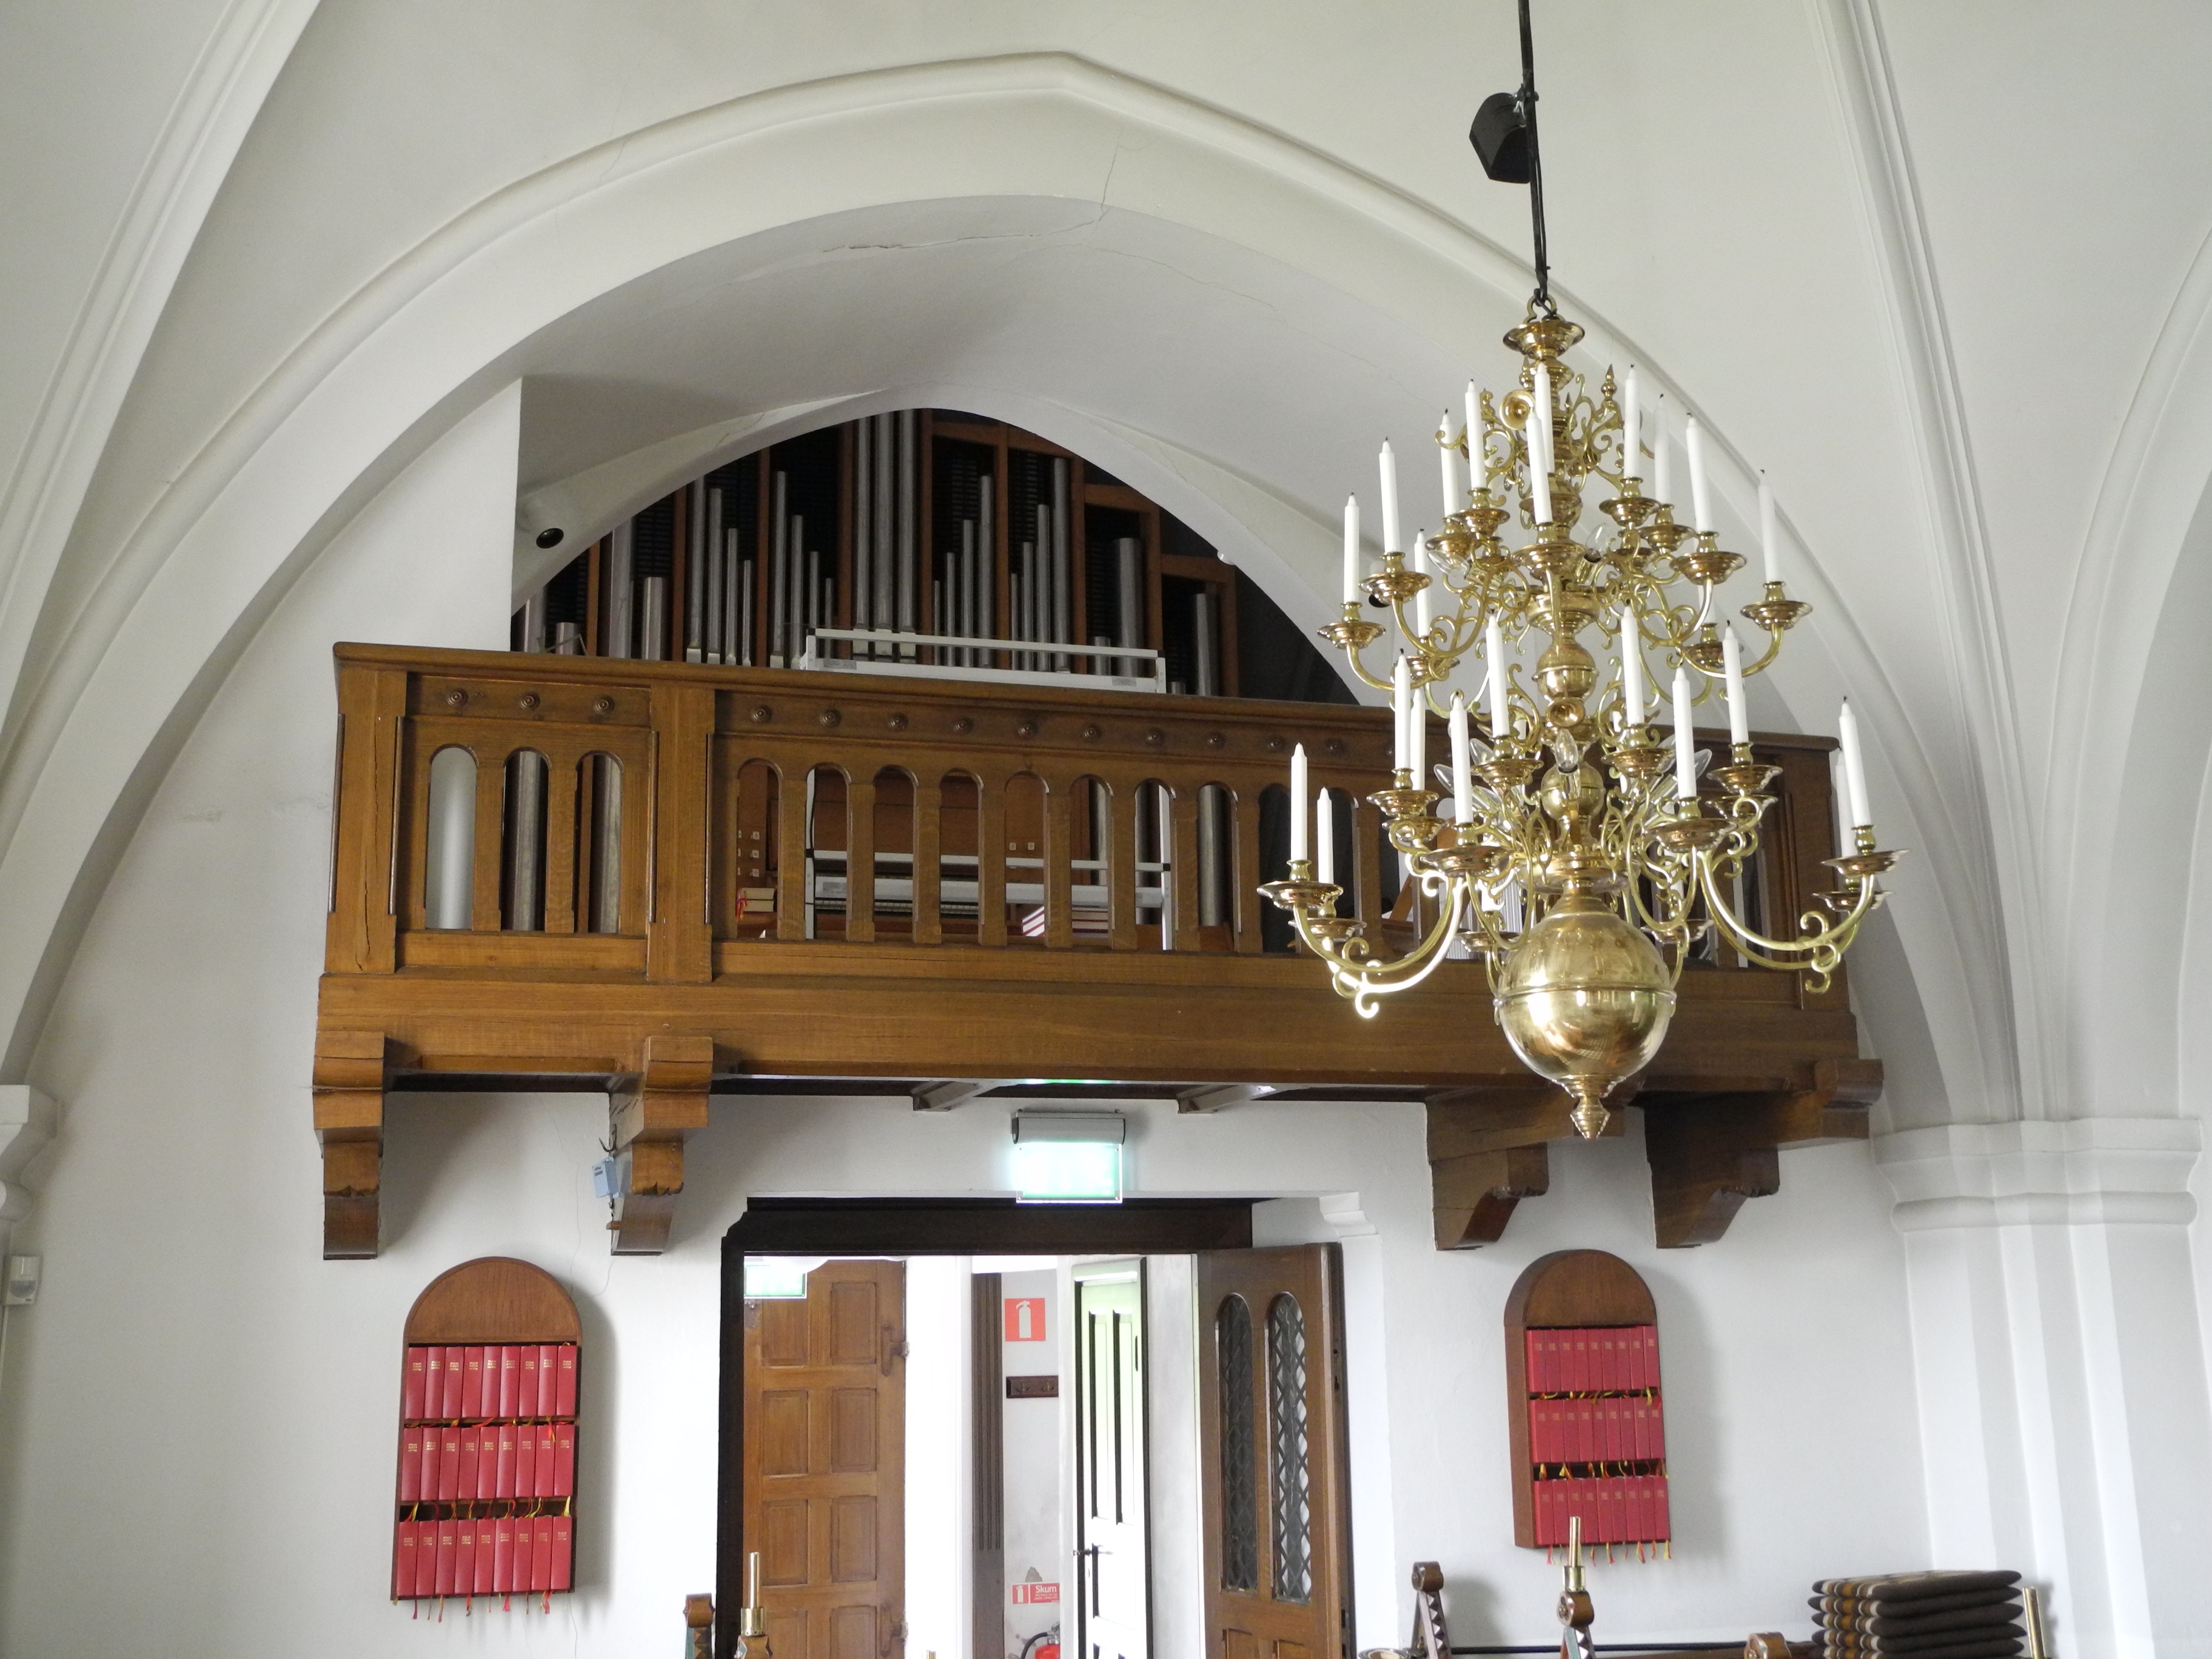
point(663, 875)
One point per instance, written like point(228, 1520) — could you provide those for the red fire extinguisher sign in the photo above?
point(1025, 1319)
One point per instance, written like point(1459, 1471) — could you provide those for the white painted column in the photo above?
point(2064, 1413)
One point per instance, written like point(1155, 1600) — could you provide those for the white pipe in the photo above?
point(987, 561)
point(909, 592)
point(1063, 573)
point(449, 873)
point(1207, 670)
point(694, 574)
point(778, 575)
point(711, 553)
point(745, 613)
point(621, 594)
point(864, 569)
point(732, 599)
point(653, 634)
point(606, 854)
point(886, 573)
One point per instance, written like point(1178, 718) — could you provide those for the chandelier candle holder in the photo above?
point(1580, 865)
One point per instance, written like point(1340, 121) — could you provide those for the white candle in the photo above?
point(1701, 505)
point(1417, 736)
point(1493, 652)
point(1475, 480)
point(1631, 668)
point(1401, 699)
point(1352, 594)
point(1418, 563)
point(1300, 806)
point(1686, 747)
point(1389, 468)
point(1540, 448)
point(1448, 463)
point(1325, 838)
point(1847, 726)
point(1769, 535)
point(1462, 769)
point(1632, 462)
point(1739, 710)
point(1662, 467)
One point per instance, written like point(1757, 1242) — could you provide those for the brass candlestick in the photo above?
point(1576, 1613)
point(752, 1618)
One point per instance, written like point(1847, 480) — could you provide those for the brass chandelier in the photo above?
point(1581, 865)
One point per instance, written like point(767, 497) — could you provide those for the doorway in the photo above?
point(1052, 1481)
point(1113, 1563)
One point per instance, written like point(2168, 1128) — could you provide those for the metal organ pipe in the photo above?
point(695, 575)
point(908, 589)
point(622, 599)
point(1063, 564)
point(711, 553)
point(778, 574)
point(449, 877)
point(864, 580)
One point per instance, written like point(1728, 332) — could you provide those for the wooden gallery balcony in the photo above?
point(665, 881)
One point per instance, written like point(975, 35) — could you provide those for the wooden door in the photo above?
point(1113, 1567)
point(1272, 1454)
point(825, 1461)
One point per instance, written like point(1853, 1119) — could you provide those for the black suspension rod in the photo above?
point(1535, 161)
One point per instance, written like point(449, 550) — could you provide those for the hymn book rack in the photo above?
point(1581, 1369)
point(482, 1309)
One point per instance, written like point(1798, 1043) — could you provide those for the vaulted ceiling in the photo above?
point(1936, 270)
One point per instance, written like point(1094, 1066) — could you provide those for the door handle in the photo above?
point(894, 1347)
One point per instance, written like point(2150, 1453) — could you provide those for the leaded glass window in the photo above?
point(1240, 1503)
point(1291, 1503)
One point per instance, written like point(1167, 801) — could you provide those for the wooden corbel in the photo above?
point(653, 1111)
point(1710, 1153)
point(353, 1069)
point(1488, 1152)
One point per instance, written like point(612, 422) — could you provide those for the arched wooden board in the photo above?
point(1579, 1287)
point(494, 1298)
point(1566, 1290)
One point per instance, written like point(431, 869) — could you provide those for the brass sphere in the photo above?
point(1585, 999)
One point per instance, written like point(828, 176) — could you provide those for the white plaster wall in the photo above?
point(1172, 1352)
point(940, 1457)
point(1036, 1458)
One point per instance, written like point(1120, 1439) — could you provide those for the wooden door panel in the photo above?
point(853, 1413)
point(853, 1315)
point(852, 1529)
point(1273, 1454)
point(782, 1333)
point(855, 1633)
point(782, 1537)
point(781, 1426)
point(823, 1435)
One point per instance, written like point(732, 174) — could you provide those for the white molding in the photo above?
point(40, 498)
point(1997, 854)
point(2080, 1172)
point(26, 1124)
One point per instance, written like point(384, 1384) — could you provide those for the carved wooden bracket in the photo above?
point(1711, 1153)
point(352, 1071)
point(653, 1111)
point(1487, 1152)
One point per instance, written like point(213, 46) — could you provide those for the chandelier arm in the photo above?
point(1363, 985)
point(1352, 653)
point(1835, 936)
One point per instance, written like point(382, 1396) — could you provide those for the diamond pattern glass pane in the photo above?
point(1286, 1443)
point(1240, 1503)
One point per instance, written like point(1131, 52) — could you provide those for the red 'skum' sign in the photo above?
point(1027, 1593)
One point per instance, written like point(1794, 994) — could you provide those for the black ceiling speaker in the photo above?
point(1500, 137)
